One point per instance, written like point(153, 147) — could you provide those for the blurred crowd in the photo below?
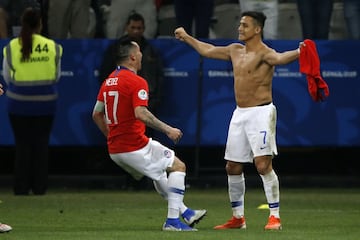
point(107, 18)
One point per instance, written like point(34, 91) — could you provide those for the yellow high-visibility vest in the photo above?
point(40, 68)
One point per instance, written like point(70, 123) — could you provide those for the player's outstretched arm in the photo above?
point(144, 115)
point(1, 89)
point(274, 58)
point(203, 48)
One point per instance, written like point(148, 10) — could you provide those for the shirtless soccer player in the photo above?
point(251, 134)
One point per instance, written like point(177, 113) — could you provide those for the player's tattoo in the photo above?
point(151, 121)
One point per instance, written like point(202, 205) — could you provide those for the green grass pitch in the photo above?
point(319, 214)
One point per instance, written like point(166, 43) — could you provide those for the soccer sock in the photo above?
point(236, 194)
point(183, 208)
point(161, 186)
point(176, 185)
point(272, 192)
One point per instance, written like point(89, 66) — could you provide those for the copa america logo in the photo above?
point(167, 153)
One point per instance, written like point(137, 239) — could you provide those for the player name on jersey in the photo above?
point(111, 81)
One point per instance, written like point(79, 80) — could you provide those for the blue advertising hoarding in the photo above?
point(198, 96)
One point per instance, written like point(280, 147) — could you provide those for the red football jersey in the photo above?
point(121, 92)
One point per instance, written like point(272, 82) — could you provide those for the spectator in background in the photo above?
point(3, 227)
point(200, 12)
point(121, 9)
point(31, 69)
point(315, 16)
point(352, 18)
point(10, 18)
point(98, 7)
point(3, 20)
point(270, 8)
point(69, 18)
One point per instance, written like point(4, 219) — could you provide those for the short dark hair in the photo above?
point(259, 17)
point(123, 50)
point(134, 16)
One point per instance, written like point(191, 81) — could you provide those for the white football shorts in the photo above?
point(252, 133)
point(151, 161)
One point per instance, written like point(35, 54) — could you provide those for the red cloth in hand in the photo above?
point(310, 66)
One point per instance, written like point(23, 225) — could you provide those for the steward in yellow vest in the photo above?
point(32, 81)
point(31, 69)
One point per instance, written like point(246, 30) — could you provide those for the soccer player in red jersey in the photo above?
point(121, 113)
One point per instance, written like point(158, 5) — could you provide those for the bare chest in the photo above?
point(246, 63)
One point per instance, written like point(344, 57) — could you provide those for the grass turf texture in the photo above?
point(108, 214)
